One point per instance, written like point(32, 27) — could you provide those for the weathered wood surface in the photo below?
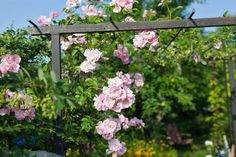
point(134, 26)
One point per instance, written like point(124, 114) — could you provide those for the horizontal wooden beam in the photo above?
point(134, 26)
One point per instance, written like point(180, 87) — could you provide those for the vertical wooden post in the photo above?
point(56, 67)
point(232, 97)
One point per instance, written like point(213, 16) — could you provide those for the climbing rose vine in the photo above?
point(116, 97)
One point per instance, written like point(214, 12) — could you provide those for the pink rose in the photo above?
point(53, 14)
point(119, 4)
point(116, 148)
point(44, 20)
point(88, 66)
point(90, 10)
point(108, 128)
point(10, 63)
point(126, 78)
point(5, 111)
point(20, 114)
point(123, 54)
point(92, 55)
point(30, 114)
point(73, 3)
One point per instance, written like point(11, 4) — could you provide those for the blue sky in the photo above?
point(16, 12)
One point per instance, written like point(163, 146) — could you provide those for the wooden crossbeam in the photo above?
point(134, 26)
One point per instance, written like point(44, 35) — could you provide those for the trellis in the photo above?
point(56, 31)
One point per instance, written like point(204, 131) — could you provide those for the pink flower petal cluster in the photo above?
point(46, 20)
point(116, 148)
point(92, 56)
point(145, 38)
point(24, 114)
point(73, 39)
point(138, 81)
point(73, 3)
point(128, 79)
point(108, 128)
point(23, 111)
point(116, 96)
point(91, 10)
point(5, 111)
point(123, 54)
point(9, 63)
point(146, 12)
point(135, 122)
point(122, 4)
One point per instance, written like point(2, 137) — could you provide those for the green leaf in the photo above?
point(86, 124)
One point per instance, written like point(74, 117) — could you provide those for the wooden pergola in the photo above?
point(56, 31)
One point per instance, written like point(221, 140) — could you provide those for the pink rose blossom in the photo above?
point(116, 96)
point(138, 80)
point(145, 38)
point(44, 20)
point(53, 14)
point(116, 81)
point(116, 148)
point(126, 78)
point(92, 55)
point(73, 3)
point(30, 114)
point(88, 66)
point(10, 63)
point(136, 122)
point(5, 111)
point(90, 10)
point(108, 128)
point(124, 121)
point(47, 20)
point(123, 54)
point(19, 114)
point(122, 4)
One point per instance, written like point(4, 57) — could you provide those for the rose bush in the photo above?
point(108, 79)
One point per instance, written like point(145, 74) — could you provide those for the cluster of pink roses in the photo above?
point(9, 63)
point(73, 3)
point(23, 111)
point(91, 10)
point(46, 20)
point(122, 53)
point(145, 38)
point(128, 79)
point(122, 4)
point(73, 39)
point(110, 126)
point(116, 96)
point(92, 56)
point(116, 148)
